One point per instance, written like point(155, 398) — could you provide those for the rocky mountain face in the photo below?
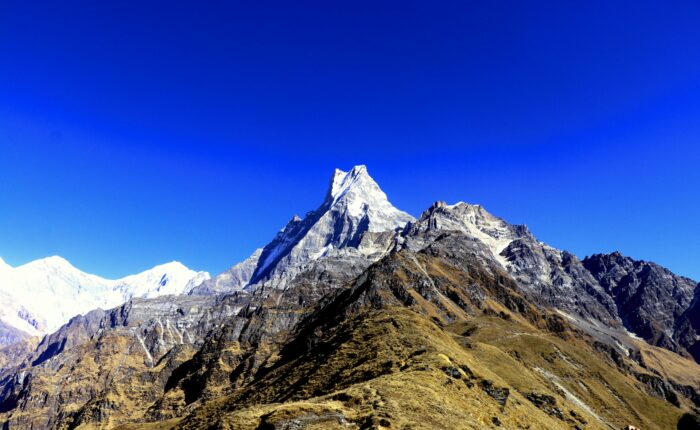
point(348, 225)
point(97, 360)
point(651, 300)
point(233, 279)
point(40, 296)
point(548, 275)
point(359, 316)
point(10, 335)
point(687, 330)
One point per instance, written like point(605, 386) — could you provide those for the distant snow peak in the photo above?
point(169, 278)
point(54, 261)
point(40, 296)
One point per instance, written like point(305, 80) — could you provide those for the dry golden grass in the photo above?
point(411, 382)
point(671, 365)
point(397, 367)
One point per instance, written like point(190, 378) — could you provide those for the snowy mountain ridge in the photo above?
point(354, 209)
point(40, 296)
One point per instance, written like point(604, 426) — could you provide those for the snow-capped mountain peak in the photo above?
point(357, 194)
point(343, 181)
point(354, 205)
point(168, 278)
point(40, 296)
point(54, 262)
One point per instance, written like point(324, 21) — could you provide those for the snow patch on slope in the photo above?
point(474, 221)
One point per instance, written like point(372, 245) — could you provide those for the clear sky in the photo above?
point(134, 133)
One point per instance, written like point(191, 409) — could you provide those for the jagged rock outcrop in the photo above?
point(687, 332)
point(650, 299)
point(549, 275)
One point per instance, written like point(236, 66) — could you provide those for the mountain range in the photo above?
point(359, 315)
point(39, 297)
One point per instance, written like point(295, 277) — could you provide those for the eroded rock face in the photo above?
point(354, 209)
point(650, 299)
point(90, 369)
point(687, 330)
point(553, 277)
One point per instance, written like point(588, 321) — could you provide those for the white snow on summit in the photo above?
point(354, 208)
point(361, 196)
point(40, 296)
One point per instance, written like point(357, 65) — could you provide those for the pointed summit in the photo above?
point(358, 195)
point(342, 181)
point(354, 206)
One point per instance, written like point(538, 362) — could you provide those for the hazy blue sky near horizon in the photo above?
point(134, 133)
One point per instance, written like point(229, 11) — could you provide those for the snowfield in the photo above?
point(39, 297)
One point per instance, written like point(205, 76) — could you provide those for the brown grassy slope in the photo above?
point(569, 367)
point(671, 365)
point(12, 355)
point(390, 367)
point(419, 343)
point(394, 368)
point(108, 374)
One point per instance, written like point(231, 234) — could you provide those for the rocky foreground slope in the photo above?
point(359, 316)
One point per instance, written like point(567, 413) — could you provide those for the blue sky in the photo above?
point(134, 133)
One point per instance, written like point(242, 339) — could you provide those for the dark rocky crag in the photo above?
point(652, 302)
point(687, 327)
